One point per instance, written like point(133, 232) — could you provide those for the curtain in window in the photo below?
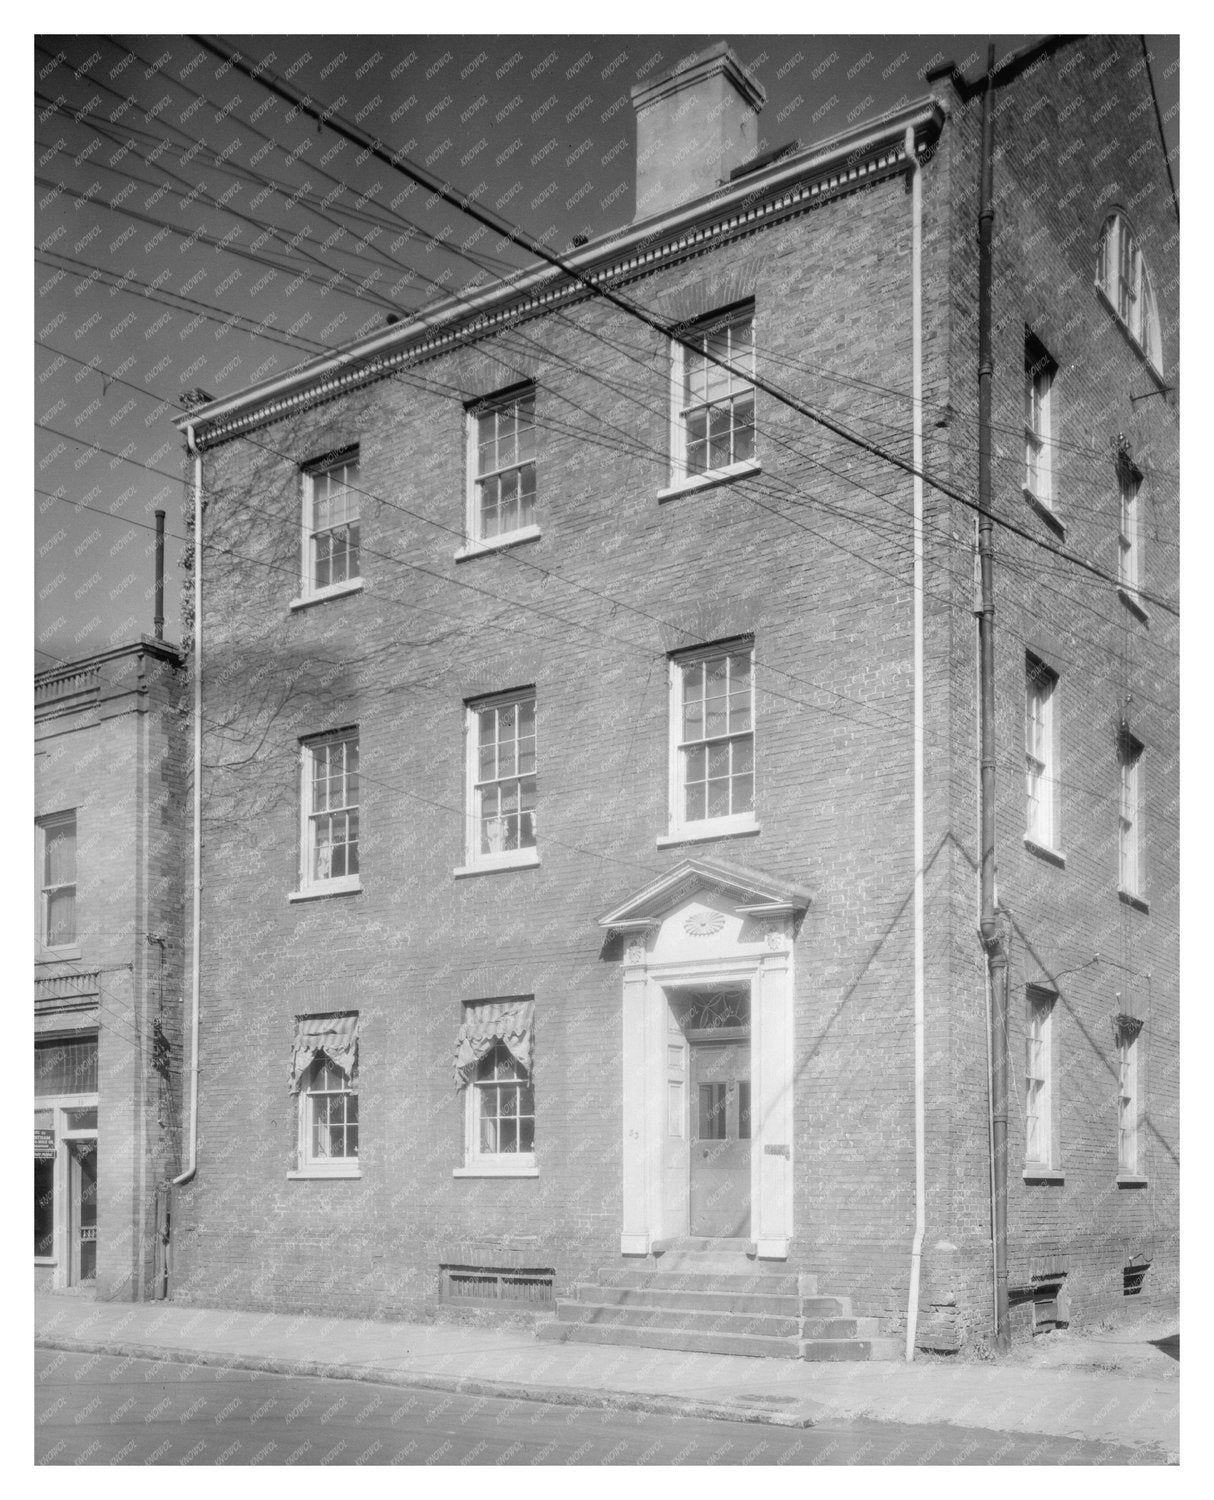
point(507, 1021)
point(335, 1036)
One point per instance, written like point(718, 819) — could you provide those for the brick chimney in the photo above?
point(693, 127)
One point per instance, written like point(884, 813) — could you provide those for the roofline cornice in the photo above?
point(788, 187)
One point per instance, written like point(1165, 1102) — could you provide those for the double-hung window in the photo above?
point(712, 751)
point(329, 833)
point(57, 894)
point(502, 781)
point(324, 1075)
point(1128, 1029)
point(1039, 1081)
point(1129, 842)
point(331, 513)
point(1040, 754)
point(1122, 276)
point(493, 1065)
point(713, 398)
point(501, 469)
point(1129, 551)
point(1039, 374)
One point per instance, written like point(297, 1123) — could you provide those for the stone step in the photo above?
point(693, 1320)
point(826, 1307)
point(718, 1262)
point(705, 1242)
point(787, 1304)
point(687, 1340)
point(850, 1349)
point(841, 1328)
point(700, 1281)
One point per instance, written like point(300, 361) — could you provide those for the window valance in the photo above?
point(509, 1022)
point(335, 1036)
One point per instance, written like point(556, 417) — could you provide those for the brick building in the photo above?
point(560, 908)
point(111, 849)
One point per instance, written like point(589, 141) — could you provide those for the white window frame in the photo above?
point(1041, 754)
point(309, 1163)
point(479, 1163)
point(1039, 1075)
point(1129, 530)
point(1128, 1102)
point(1040, 375)
point(310, 592)
point(317, 885)
point(1125, 282)
point(475, 860)
point(681, 828)
point(476, 540)
point(736, 387)
point(1129, 820)
point(43, 826)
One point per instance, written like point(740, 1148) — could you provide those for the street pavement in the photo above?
point(1118, 1389)
point(101, 1409)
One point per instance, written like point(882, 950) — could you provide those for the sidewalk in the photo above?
point(1116, 1387)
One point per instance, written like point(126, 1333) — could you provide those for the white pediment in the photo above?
point(711, 886)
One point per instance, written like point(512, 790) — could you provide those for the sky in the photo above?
point(189, 233)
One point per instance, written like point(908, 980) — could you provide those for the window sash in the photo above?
point(333, 525)
point(505, 789)
point(714, 742)
point(1039, 753)
point(503, 1103)
point(1127, 1105)
point(1128, 548)
point(332, 800)
point(1128, 822)
point(714, 408)
point(1038, 1077)
point(503, 444)
point(58, 896)
point(330, 1105)
point(1039, 381)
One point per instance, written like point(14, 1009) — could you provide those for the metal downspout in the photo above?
point(912, 1306)
point(993, 941)
point(196, 935)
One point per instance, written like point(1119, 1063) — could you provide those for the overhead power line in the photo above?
point(463, 202)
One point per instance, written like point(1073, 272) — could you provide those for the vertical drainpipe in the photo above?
point(993, 941)
point(912, 1307)
point(158, 617)
point(196, 936)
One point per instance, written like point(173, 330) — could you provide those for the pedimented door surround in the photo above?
point(706, 925)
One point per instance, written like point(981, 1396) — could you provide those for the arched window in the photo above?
point(1121, 274)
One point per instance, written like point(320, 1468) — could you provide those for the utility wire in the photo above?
point(464, 203)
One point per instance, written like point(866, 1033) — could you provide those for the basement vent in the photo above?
point(1046, 1299)
point(1132, 1278)
point(493, 1286)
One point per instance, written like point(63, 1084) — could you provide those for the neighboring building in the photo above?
point(558, 708)
point(111, 856)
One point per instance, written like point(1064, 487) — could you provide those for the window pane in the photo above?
point(744, 1109)
point(60, 852)
point(744, 428)
point(61, 917)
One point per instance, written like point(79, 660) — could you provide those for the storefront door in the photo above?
point(82, 1211)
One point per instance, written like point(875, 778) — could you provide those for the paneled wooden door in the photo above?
point(720, 1139)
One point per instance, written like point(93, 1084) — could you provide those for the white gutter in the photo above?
point(912, 1306)
point(196, 937)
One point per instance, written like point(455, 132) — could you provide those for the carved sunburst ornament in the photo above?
point(703, 923)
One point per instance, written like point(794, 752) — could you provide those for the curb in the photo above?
point(460, 1385)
